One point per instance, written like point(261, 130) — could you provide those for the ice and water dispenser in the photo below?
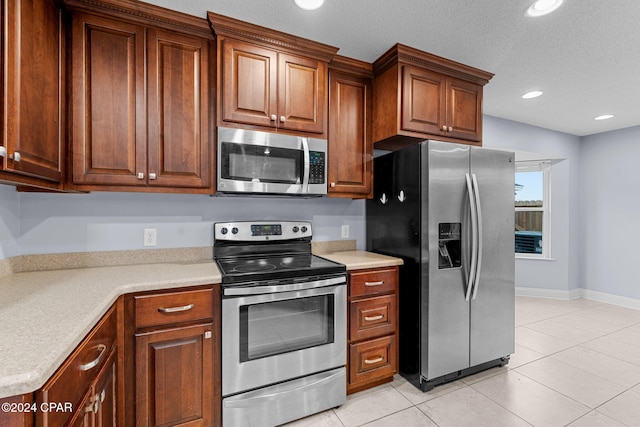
point(449, 245)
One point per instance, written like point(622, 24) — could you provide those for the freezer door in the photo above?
point(493, 300)
point(445, 312)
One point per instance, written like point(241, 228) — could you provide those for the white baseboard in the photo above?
point(548, 293)
point(627, 302)
point(610, 299)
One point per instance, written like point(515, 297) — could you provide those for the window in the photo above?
point(532, 209)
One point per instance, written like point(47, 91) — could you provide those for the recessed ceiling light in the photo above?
point(532, 94)
point(604, 117)
point(543, 7)
point(309, 4)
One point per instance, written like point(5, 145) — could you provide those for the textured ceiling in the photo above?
point(585, 56)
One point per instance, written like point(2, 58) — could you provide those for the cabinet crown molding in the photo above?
point(400, 53)
point(267, 37)
point(351, 65)
point(144, 13)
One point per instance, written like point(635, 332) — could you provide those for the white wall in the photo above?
point(9, 222)
point(610, 213)
point(561, 273)
point(103, 221)
point(595, 206)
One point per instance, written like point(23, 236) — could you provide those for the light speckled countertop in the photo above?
point(356, 260)
point(44, 315)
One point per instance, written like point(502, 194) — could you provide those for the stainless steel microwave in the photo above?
point(257, 162)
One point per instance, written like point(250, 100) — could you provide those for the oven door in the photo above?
point(284, 334)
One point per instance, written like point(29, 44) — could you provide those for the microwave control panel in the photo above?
point(316, 167)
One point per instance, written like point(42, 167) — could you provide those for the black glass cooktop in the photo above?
point(278, 267)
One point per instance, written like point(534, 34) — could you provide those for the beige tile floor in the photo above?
point(577, 363)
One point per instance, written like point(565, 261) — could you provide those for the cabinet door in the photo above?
point(350, 147)
point(423, 100)
point(105, 393)
point(83, 417)
point(108, 101)
point(33, 62)
point(301, 93)
point(248, 82)
point(464, 109)
point(179, 140)
point(174, 377)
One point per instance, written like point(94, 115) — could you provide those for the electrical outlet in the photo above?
point(150, 237)
point(345, 231)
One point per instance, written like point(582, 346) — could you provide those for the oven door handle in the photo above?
point(272, 289)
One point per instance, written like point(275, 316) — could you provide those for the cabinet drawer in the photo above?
point(74, 378)
point(369, 282)
point(372, 317)
point(173, 307)
point(371, 360)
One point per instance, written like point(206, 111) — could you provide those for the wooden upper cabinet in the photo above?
point(33, 123)
point(141, 99)
point(418, 96)
point(350, 147)
point(464, 109)
point(108, 101)
point(423, 100)
point(270, 79)
point(249, 82)
point(179, 137)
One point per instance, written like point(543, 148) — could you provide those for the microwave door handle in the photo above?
point(307, 159)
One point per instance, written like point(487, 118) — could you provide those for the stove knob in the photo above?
point(234, 230)
point(296, 229)
point(224, 230)
point(304, 228)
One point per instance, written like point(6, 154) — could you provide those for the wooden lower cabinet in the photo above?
point(85, 382)
point(98, 408)
point(175, 370)
point(373, 327)
point(174, 377)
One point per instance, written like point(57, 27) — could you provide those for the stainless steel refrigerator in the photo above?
point(448, 211)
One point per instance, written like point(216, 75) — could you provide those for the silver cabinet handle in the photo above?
point(140, 175)
point(95, 362)
point(384, 199)
point(175, 309)
point(15, 156)
point(333, 185)
point(282, 119)
point(152, 176)
point(3, 151)
point(444, 128)
point(273, 117)
point(380, 283)
point(402, 197)
point(372, 318)
point(450, 128)
point(372, 361)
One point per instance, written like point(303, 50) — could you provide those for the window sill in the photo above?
point(534, 257)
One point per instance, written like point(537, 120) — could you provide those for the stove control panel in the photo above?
point(256, 231)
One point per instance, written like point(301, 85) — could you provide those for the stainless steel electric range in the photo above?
point(283, 323)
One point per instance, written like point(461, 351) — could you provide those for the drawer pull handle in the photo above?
point(372, 318)
point(95, 362)
point(175, 309)
point(372, 361)
point(380, 283)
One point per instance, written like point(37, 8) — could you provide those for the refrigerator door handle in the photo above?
point(476, 191)
point(474, 240)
